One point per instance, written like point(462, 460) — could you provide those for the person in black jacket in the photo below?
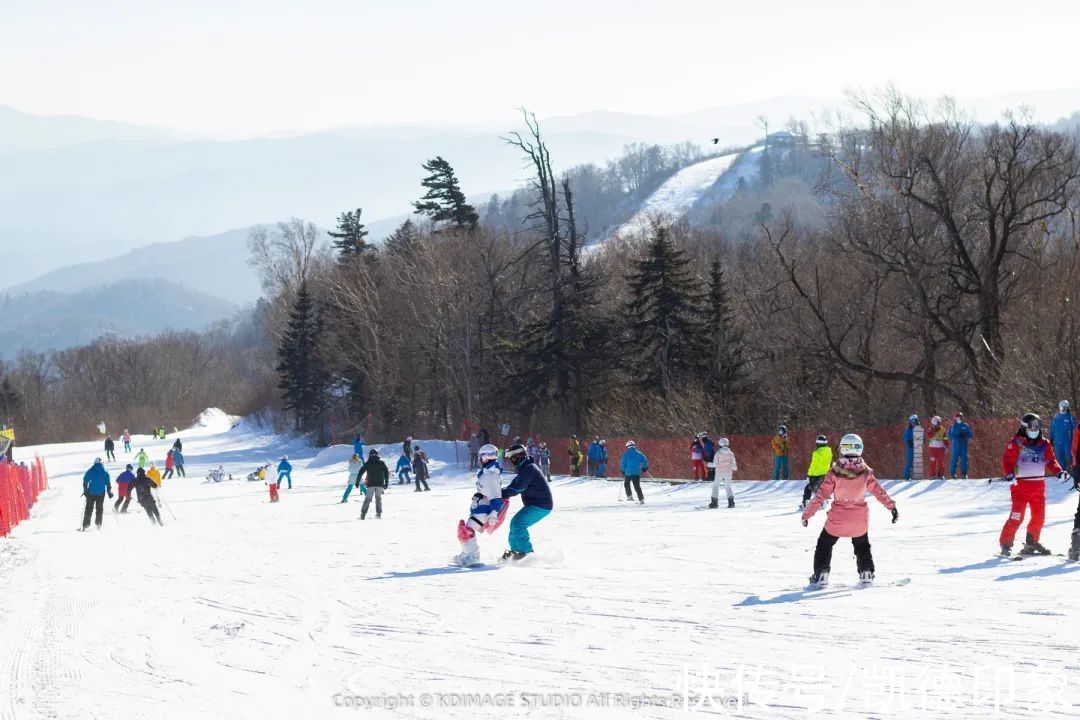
point(177, 446)
point(110, 446)
point(535, 493)
point(420, 468)
point(145, 497)
point(377, 480)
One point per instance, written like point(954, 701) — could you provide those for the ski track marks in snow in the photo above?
point(238, 608)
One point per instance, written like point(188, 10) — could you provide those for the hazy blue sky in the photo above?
point(254, 66)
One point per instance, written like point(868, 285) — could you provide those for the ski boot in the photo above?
point(1074, 549)
point(730, 503)
point(641, 501)
point(802, 506)
point(1006, 551)
point(866, 577)
point(819, 580)
point(506, 555)
point(1031, 547)
point(714, 503)
point(516, 556)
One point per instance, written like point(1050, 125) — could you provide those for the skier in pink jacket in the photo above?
point(848, 481)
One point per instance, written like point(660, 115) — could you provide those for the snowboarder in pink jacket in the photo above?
point(848, 481)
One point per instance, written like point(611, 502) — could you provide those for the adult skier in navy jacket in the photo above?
point(535, 493)
point(96, 483)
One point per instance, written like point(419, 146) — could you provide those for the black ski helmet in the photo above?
point(1030, 423)
point(822, 440)
point(515, 454)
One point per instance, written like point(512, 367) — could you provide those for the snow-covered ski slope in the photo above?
point(683, 189)
point(242, 609)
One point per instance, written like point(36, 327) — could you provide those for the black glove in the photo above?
point(110, 494)
point(805, 522)
point(357, 483)
point(895, 514)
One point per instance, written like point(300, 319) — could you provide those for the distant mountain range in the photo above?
point(215, 265)
point(48, 320)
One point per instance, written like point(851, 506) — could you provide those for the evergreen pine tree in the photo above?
point(404, 240)
point(302, 377)
point(349, 238)
point(10, 400)
point(728, 368)
point(669, 340)
point(444, 200)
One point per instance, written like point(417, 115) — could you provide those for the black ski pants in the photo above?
point(636, 481)
point(812, 484)
point(152, 512)
point(94, 504)
point(125, 500)
point(823, 553)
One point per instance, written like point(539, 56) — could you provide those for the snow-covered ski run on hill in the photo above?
point(238, 608)
point(682, 190)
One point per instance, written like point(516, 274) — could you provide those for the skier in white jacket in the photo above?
point(725, 466)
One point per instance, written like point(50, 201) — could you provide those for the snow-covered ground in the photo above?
point(242, 609)
point(683, 189)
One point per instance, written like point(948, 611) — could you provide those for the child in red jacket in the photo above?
point(848, 481)
point(1028, 461)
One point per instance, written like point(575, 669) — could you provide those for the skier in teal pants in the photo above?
point(535, 493)
point(284, 471)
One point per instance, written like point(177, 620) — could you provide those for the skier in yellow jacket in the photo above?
point(780, 446)
point(820, 463)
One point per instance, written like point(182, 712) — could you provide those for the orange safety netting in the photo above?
point(20, 486)
point(670, 458)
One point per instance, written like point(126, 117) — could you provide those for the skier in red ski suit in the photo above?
point(1028, 461)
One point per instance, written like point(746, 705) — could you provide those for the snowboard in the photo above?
point(1018, 558)
point(456, 562)
point(900, 582)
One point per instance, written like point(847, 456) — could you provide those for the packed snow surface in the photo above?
point(683, 189)
point(242, 609)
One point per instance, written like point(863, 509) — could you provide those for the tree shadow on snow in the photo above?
point(431, 572)
point(1041, 572)
point(791, 597)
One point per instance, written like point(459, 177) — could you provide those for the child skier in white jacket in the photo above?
point(725, 466)
point(487, 510)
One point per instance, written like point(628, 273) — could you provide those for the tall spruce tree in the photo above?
point(667, 313)
point(349, 238)
point(302, 376)
point(728, 368)
point(444, 200)
point(404, 240)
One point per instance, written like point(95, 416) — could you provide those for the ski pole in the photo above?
point(171, 513)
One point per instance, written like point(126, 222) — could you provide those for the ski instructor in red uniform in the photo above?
point(1029, 460)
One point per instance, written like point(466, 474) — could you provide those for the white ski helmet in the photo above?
point(936, 420)
point(1063, 406)
point(724, 442)
point(913, 420)
point(488, 453)
point(702, 435)
point(630, 444)
point(851, 446)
